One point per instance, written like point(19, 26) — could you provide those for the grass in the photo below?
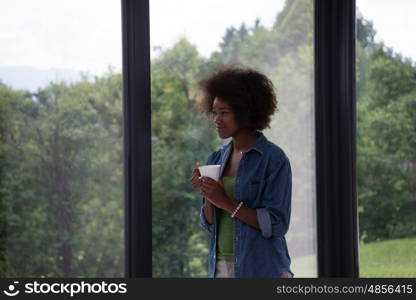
point(389, 259)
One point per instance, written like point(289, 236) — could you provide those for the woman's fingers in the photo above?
point(195, 172)
point(207, 184)
point(208, 180)
point(194, 176)
point(196, 181)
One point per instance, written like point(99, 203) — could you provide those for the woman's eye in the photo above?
point(222, 113)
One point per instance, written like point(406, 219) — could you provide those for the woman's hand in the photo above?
point(196, 178)
point(214, 192)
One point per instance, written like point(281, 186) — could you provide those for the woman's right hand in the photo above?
point(195, 179)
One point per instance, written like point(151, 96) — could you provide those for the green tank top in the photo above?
point(225, 246)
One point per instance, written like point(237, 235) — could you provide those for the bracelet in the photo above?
point(236, 210)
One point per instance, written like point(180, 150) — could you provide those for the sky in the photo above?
point(205, 22)
point(394, 23)
point(75, 34)
point(61, 34)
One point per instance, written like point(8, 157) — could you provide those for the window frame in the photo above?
point(137, 139)
point(335, 121)
point(335, 138)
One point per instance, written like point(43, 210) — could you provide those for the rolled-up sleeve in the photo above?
point(274, 215)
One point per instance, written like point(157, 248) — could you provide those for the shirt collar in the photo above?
point(259, 145)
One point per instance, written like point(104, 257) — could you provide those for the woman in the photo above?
point(247, 212)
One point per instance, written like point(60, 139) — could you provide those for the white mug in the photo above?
point(211, 171)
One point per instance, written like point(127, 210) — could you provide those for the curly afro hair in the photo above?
point(250, 94)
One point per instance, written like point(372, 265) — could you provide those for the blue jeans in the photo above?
point(225, 269)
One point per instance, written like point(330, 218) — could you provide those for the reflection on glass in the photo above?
point(386, 122)
point(282, 50)
point(61, 202)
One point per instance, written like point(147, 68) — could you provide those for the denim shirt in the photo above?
point(263, 182)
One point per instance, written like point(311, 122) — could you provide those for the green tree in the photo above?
point(179, 140)
point(386, 143)
point(63, 187)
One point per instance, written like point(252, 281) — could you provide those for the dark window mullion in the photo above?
point(137, 138)
point(335, 138)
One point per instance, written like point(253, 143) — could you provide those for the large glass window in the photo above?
point(386, 123)
point(189, 39)
point(61, 155)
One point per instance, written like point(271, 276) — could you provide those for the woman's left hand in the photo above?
point(214, 192)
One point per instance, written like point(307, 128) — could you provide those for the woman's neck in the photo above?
point(244, 140)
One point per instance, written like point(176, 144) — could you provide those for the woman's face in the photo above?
point(224, 119)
